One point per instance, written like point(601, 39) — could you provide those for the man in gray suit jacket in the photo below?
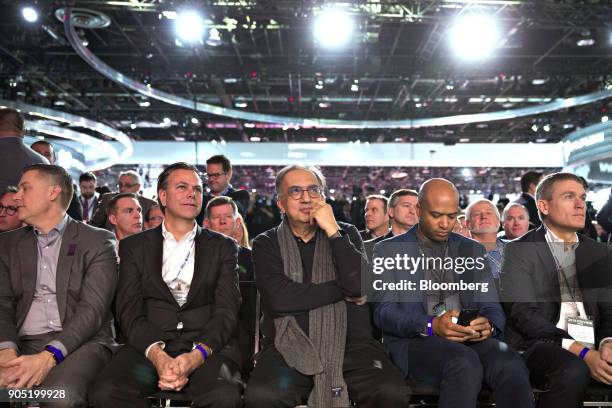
point(14, 154)
point(57, 281)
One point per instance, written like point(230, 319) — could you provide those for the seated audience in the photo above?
point(89, 197)
point(482, 220)
point(57, 280)
point(515, 220)
point(177, 305)
point(9, 219)
point(129, 182)
point(153, 218)
point(420, 328)
point(318, 345)
point(553, 282)
point(529, 181)
point(125, 215)
point(376, 218)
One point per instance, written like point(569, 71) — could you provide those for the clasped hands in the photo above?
point(24, 371)
point(479, 329)
point(174, 373)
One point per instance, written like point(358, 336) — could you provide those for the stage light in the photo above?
point(355, 88)
point(255, 139)
point(195, 121)
point(333, 28)
point(29, 14)
point(189, 26)
point(534, 127)
point(466, 172)
point(474, 36)
point(604, 119)
point(167, 120)
point(240, 104)
point(546, 127)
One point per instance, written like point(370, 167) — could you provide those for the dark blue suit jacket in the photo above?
point(399, 321)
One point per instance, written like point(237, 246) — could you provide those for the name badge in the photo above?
point(582, 330)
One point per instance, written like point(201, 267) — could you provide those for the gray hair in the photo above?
point(468, 210)
point(512, 205)
point(280, 176)
point(135, 176)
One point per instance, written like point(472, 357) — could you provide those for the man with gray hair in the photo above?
point(129, 182)
point(482, 220)
point(318, 344)
point(515, 220)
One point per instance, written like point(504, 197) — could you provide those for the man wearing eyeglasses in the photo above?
point(8, 210)
point(129, 182)
point(218, 176)
point(318, 344)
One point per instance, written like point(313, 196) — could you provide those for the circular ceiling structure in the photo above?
point(118, 77)
point(99, 154)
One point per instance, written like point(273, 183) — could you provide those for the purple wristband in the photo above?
point(430, 326)
point(584, 352)
point(203, 351)
point(57, 354)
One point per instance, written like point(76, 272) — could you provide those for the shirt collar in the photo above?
point(551, 237)
point(189, 236)
point(59, 228)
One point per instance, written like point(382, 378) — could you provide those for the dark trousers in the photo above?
point(75, 374)
point(459, 370)
point(131, 377)
point(561, 373)
point(371, 378)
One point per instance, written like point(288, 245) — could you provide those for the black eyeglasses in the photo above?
point(10, 210)
point(297, 192)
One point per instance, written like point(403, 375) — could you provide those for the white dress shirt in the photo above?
point(177, 266)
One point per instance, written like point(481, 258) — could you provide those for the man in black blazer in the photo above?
point(551, 276)
point(177, 305)
point(529, 181)
point(57, 280)
point(219, 176)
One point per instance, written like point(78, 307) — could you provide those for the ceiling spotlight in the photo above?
point(474, 36)
point(604, 119)
point(333, 28)
point(167, 120)
point(195, 121)
point(255, 139)
point(546, 127)
point(321, 139)
point(144, 104)
point(29, 14)
point(534, 127)
point(241, 104)
point(324, 105)
point(189, 26)
point(355, 88)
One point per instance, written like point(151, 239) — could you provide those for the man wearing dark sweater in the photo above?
point(318, 343)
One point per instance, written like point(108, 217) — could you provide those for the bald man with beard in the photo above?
point(421, 328)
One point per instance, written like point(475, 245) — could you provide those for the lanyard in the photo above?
point(559, 268)
point(184, 261)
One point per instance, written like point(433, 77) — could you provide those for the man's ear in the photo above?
point(543, 206)
point(206, 223)
point(112, 218)
point(54, 192)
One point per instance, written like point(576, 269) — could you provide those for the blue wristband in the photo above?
point(430, 326)
point(203, 351)
point(584, 352)
point(57, 354)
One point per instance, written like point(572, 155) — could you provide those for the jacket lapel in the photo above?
point(28, 259)
point(199, 265)
point(68, 251)
point(153, 263)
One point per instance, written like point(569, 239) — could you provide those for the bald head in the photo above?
point(437, 209)
point(438, 189)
